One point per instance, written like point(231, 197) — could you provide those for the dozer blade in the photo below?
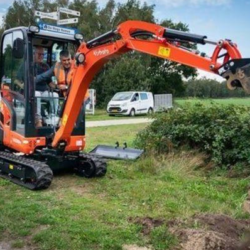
point(237, 73)
point(118, 153)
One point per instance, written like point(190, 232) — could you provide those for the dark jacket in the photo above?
point(40, 69)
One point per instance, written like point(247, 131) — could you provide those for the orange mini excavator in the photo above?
point(30, 152)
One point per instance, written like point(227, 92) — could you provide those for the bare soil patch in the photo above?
point(8, 246)
point(203, 231)
point(27, 241)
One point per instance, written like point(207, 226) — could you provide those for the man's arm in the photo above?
point(45, 77)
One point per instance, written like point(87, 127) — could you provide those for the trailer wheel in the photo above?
point(132, 112)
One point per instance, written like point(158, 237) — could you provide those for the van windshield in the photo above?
point(122, 96)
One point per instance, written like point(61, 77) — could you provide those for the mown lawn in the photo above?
point(225, 101)
point(101, 114)
point(86, 214)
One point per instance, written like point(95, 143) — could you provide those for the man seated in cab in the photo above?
point(62, 71)
point(42, 87)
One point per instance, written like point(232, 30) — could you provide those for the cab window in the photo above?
point(12, 81)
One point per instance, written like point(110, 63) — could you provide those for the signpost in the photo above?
point(57, 29)
point(56, 15)
point(67, 21)
point(49, 15)
point(69, 12)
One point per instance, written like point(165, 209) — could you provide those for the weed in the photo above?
point(162, 239)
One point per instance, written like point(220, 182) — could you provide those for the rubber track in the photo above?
point(100, 164)
point(44, 174)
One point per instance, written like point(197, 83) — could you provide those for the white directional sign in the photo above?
point(69, 12)
point(57, 29)
point(49, 15)
point(67, 21)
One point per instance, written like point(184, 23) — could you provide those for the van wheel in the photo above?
point(150, 111)
point(132, 113)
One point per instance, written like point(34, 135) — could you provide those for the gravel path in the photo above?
point(90, 124)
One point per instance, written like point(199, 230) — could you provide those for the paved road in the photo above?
point(90, 124)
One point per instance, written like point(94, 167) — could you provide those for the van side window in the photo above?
point(135, 97)
point(144, 96)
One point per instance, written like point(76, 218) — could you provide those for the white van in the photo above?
point(131, 103)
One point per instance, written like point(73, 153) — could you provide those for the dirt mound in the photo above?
point(224, 224)
point(203, 231)
point(193, 239)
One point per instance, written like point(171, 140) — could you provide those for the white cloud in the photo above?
point(202, 74)
point(210, 2)
point(174, 3)
point(180, 3)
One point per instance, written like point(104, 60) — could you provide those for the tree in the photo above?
point(21, 13)
point(133, 10)
point(208, 88)
point(129, 71)
point(88, 21)
point(107, 17)
point(167, 76)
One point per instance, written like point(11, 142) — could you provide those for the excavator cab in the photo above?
point(33, 113)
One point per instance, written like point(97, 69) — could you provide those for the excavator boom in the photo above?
point(154, 40)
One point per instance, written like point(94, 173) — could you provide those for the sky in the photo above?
point(217, 19)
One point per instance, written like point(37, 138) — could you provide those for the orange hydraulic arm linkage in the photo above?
point(147, 38)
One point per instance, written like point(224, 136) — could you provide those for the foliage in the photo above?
point(223, 132)
point(238, 101)
point(207, 88)
point(166, 77)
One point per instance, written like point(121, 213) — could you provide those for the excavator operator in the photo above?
point(61, 71)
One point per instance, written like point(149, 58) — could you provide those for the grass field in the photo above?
point(88, 214)
point(226, 101)
point(101, 114)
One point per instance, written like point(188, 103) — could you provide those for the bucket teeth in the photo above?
point(238, 76)
point(244, 77)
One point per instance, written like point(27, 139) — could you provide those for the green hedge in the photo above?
point(223, 132)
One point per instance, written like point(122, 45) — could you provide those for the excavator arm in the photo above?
point(154, 40)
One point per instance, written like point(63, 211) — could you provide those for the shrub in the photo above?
point(223, 132)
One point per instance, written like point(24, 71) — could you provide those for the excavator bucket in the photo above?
point(117, 152)
point(237, 73)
